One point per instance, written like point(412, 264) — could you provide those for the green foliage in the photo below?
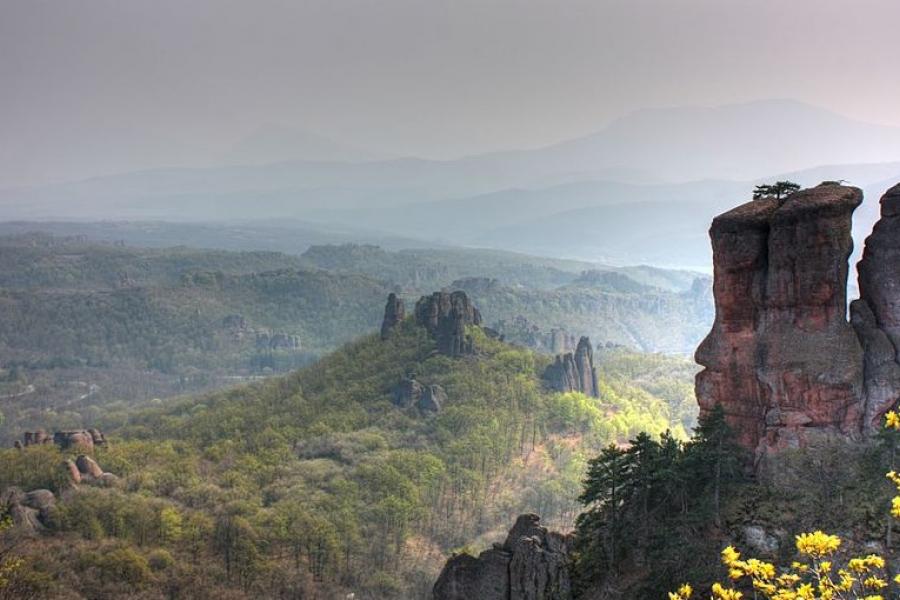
point(34, 467)
point(645, 503)
point(316, 481)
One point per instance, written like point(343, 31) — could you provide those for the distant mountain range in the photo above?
point(642, 190)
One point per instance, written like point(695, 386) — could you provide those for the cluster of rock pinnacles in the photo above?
point(445, 315)
point(782, 359)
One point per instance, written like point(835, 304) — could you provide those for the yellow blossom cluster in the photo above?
point(815, 577)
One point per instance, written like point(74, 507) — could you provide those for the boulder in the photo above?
point(73, 472)
point(532, 564)
point(394, 313)
point(29, 512)
point(74, 439)
point(88, 467)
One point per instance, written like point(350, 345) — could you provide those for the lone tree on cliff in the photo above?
point(778, 190)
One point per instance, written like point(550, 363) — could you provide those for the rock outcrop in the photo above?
point(574, 372)
point(445, 315)
point(532, 564)
point(268, 340)
point(782, 359)
point(30, 512)
point(85, 469)
point(84, 439)
point(408, 392)
point(433, 399)
point(428, 399)
point(876, 314)
point(394, 313)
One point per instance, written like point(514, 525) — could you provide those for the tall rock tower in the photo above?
point(782, 359)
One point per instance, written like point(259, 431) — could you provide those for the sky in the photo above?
point(90, 87)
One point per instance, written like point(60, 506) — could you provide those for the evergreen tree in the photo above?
point(778, 190)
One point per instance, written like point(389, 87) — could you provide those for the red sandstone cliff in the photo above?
point(781, 358)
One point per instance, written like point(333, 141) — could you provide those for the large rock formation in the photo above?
point(876, 314)
point(782, 359)
point(574, 372)
point(445, 315)
point(532, 564)
point(394, 313)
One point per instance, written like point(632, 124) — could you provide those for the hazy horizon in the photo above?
point(101, 87)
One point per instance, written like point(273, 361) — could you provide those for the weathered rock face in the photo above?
point(532, 564)
point(445, 316)
point(561, 341)
point(433, 398)
point(394, 313)
point(781, 358)
point(428, 399)
point(876, 314)
point(574, 372)
point(408, 392)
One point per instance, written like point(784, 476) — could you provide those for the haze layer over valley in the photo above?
point(639, 191)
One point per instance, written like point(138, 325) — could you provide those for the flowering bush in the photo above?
point(815, 576)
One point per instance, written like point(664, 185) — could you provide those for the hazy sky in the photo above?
point(89, 86)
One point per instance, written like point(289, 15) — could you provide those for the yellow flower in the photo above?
point(730, 556)
point(818, 544)
point(857, 565)
point(892, 420)
point(682, 593)
point(788, 579)
point(895, 507)
point(722, 593)
point(873, 560)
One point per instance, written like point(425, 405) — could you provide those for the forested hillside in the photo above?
point(306, 484)
point(88, 327)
